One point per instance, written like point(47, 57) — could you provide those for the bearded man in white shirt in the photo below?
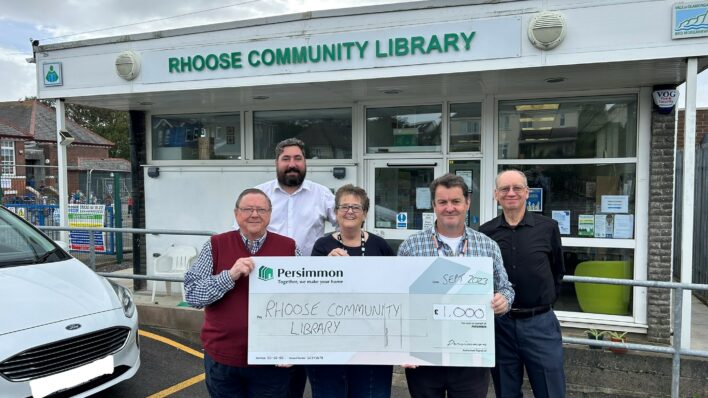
point(300, 209)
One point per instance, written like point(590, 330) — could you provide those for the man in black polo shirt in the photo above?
point(529, 335)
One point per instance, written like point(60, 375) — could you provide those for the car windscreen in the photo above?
point(21, 244)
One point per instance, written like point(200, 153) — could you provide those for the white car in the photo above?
point(63, 328)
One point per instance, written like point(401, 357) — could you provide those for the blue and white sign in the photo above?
point(402, 221)
point(535, 200)
point(690, 20)
point(51, 72)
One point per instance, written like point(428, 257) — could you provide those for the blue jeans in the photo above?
point(533, 343)
point(224, 381)
point(350, 381)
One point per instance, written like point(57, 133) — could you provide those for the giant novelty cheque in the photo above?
point(433, 311)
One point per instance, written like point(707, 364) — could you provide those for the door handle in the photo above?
point(433, 164)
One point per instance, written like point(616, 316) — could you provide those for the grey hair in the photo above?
point(255, 191)
point(519, 172)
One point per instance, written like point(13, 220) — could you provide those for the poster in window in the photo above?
point(624, 226)
point(563, 219)
point(535, 200)
point(586, 225)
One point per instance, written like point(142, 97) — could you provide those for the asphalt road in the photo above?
point(170, 367)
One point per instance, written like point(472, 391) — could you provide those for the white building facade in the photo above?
point(391, 97)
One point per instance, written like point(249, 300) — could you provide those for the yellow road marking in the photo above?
point(182, 385)
point(172, 343)
point(178, 387)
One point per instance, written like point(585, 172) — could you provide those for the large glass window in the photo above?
point(591, 201)
point(590, 127)
point(465, 127)
point(403, 129)
point(594, 297)
point(7, 156)
point(327, 133)
point(196, 137)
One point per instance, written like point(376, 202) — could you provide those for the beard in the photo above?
point(291, 180)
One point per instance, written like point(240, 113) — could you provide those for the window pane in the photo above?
point(594, 297)
point(327, 133)
point(469, 170)
point(192, 137)
point(465, 127)
point(593, 127)
point(396, 191)
point(7, 157)
point(578, 192)
point(403, 129)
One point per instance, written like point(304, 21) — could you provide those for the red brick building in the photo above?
point(28, 152)
point(701, 126)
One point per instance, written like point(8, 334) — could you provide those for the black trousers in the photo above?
point(458, 382)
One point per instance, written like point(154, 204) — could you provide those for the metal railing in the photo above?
point(675, 349)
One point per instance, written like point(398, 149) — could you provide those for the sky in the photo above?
point(71, 20)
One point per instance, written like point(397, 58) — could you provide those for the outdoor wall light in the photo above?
point(128, 65)
point(547, 30)
point(65, 138)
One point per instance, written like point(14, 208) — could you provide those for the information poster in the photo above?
point(586, 225)
point(535, 200)
point(86, 216)
point(563, 219)
point(624, 226)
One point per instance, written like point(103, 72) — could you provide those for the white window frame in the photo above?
point(637, 321)
point(8, 167)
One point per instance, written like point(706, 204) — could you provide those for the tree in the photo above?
point(111, 125)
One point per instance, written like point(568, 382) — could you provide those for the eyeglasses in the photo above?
point(250, 210)
point(356, 209)
point(516, 189)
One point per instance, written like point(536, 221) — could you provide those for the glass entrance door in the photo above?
point(400, 196)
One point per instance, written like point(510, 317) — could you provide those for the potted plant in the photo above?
point(595, 334)
point(617, 337)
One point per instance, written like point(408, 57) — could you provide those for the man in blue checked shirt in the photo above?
point(450, 237)
point(218, 282)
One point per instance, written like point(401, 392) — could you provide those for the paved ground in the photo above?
point(172, 367)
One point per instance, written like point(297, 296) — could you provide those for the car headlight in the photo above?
point(125, 298)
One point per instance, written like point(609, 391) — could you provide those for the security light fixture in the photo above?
point(128, 65)
point(547, 30)
point(65, 138)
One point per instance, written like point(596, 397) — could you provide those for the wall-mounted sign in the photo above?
point(402, 220)
point(665, 99)
point(52, 74)
point(398, 46)
point(535, 200)
point(690, 20)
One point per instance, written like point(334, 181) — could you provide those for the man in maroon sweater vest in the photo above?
point(218, 282)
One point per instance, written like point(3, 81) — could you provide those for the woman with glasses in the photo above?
point(351, 381)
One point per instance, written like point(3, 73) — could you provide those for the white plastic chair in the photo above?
point(174, 262)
